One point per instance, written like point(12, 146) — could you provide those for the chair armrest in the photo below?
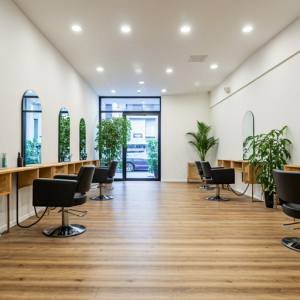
point(64, 176)
point(100, 175)
point(223, 176)
point(53, 192)
point(217, 168)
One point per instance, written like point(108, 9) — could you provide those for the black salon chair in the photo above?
point(64, 191)
point(201, 175)
point(217, 176)
point(286, 183)
point(104, 175)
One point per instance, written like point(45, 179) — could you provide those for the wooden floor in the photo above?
point(155, 241)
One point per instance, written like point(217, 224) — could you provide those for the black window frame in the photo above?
point(126, 112)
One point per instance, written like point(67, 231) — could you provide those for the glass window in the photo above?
point(130, 104)
point(32, 128)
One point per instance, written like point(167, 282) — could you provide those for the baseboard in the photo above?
point(174, 180)
point(21, 219)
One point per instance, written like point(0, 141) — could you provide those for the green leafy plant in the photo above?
point(33, 152)
point(64, 138)
point(82, 139)
point(269, 152)
point(201, 141)
point(112, 134)
point(152, 151)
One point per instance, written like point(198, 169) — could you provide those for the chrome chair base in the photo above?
point(64, 230)
point(217, 198)
point(103, 197)
point(207, 188)
point(292, 243)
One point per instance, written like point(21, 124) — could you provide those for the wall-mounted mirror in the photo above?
point(31, 128)
point(82, 140)
point(64, 136)
point(248, 131)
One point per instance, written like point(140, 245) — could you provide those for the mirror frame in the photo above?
point(243, 125)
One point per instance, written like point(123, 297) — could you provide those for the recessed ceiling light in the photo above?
point(169, 70)
point(76, 28)
point(138, 91)
point(143, 102)
point(138, 71)
point(163, 90)
point(185, 29)
point(100, 69)
point(141, 82)
point(125, 29)
point(113, 91)
point(214, 66)
point(247, 29)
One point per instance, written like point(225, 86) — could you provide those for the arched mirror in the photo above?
point(31, 128)
point(64, 136)
point(82, 140)
point(248, 131)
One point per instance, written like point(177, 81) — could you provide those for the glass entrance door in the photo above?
point(141, 156)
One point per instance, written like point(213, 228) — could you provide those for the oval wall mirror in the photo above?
point(64, 136)
point(31, 128)
point(248, 131)
point(82, 140)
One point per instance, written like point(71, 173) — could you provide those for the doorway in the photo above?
point(140, 160)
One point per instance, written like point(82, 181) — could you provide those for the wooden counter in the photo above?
point(26, 175)
point(295, 168)
point(242, 166)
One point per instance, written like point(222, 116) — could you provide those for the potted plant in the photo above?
point(112, 134)
point(201, 140)
point(269, 152)
point(152, 151)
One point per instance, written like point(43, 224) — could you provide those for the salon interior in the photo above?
point(149, 149)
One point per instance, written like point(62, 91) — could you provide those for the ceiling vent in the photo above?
point(197, 58)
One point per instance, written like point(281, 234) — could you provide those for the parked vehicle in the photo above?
point(137, 161)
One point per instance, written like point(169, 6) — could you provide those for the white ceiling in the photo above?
point(155, 42)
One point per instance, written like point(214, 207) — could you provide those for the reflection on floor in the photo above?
point(155, 241)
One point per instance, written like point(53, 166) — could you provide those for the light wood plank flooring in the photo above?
point(155, 241)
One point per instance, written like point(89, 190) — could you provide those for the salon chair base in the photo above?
point(103, 197)
point(207, 188)
point(217, 198)
point(64, 230)
point(292, 243)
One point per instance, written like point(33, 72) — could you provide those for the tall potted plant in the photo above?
point(269, 152)
point(112, 134)
point(152, 147)
point(201, 141)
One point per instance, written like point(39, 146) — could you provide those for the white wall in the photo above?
point(29, 61)
point(179, 116)
point(273, 98)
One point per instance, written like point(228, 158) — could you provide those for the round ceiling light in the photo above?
point(125, 29)
point(138, 91)
point(163, 90)
point(76, 28)
point(169, 70)
point(247, 29)
point(185, 29)
point(213, 66)
point(141, 82)
point(99, 69)
point(113, 91)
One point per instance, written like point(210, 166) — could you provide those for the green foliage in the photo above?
point(33, 152)
point(113, 133)
point(64, 138)
point(82, 140)
point(201, 140)
point(270, 152)
point(152, 147)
